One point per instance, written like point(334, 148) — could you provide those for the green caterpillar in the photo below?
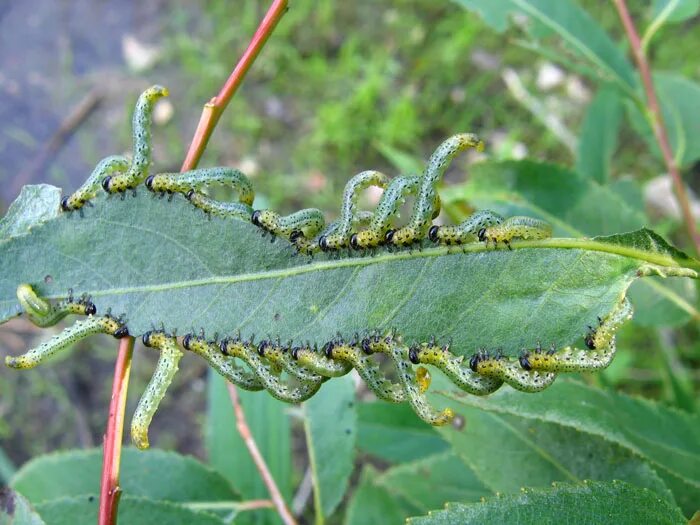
point(424, 207)
point(89, 189)
point(199, 178)
point(515, 228)
point(467, 231)
point(141, 125)
point(306, 222)
point(225, 210)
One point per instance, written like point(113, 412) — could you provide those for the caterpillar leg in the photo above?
point(42, 313)
point(515, 228)
point(308, 222)
point(199, 178)
point(272, 383)
point(141, 125)
point(466, 231)
point(424, 207)
point(356, 354)
point(166, 369)
point(221, 209)
point(413, 387)
point(341, 237)
point(454, 368)
point(78, 331)
point(510, 372)
point(226, 366)
point(89, 189)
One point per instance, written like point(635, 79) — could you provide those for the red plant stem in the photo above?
point(657, 121)
point(215, 107)
point(110, 491)
point(259, 461)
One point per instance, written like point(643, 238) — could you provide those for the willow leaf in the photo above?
point(163, 262)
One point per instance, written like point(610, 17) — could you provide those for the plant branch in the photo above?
point(259, 461)
point(657, 121)
point(215, 107)
point(110, 491)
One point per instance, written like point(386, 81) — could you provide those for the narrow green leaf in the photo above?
point(16, 510)
point(581, 33)
point(35, 205)
point(614, 503)
point(373, 505)
point(269, 424)
point(598, 137)
point(680, 10)
point(330, 423)
point(394, 434)
point(434, 480)
point(77, 472)
point(668, 438)
point(677, 96)
point(508, 452)
point(82, 510)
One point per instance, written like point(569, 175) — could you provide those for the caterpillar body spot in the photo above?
point(309, 222)
point(424, 207)
point(199, 178)
point(141, 126)
point(466, 231)
point(341, 236)
point(515, 228)
point(78, 331)
point(42, 313)
point(90, 188)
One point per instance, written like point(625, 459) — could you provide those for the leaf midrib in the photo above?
point(552, 243)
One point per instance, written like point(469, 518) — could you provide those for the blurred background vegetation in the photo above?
point(339, 88)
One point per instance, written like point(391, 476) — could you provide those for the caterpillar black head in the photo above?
point(413, 355)
point(353, 242)
point(525, 362)
point(106, 183)
point(90, 308)
point(255, 218)
point(295, 236)
point(482, 234)
point(433, 233)
point(323, 243)
point(149, 182)
point(389, 235)
point(64, 204)
point(146, 338)
point(186, 341)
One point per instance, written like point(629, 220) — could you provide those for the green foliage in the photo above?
point(592, 502)
point(16, 510)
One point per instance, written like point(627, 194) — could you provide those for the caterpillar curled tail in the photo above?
point(199, 178)
point(141, 131)
point(424, 207)
point(42, 313)
point(88, 190)
point(340, 238)
point(515, 228)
